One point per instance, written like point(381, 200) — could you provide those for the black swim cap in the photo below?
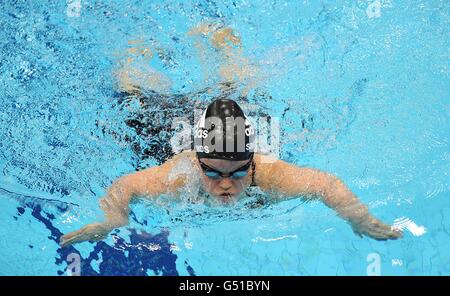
point(223, 132)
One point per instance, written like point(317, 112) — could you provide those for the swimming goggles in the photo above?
point(236, 174)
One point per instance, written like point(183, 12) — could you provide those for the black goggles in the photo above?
point(236, 174)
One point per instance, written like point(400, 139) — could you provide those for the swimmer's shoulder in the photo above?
point(265, 163)
point(183, 156)
point(266, 170)
point(174, 172)
point(186, 157)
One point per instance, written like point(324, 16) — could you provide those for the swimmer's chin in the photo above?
point(226, 198)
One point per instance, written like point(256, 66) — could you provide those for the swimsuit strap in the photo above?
point(253, 173)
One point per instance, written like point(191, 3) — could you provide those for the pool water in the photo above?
point(361, 90)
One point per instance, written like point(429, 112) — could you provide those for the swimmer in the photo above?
point(225, 159)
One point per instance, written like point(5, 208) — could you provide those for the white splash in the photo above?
point(374, 9)
point(153, 247)
point(73, 8)
point(364, 183)
point(69, 218)
point(406, 223)
point(174, 248)
point(272, 239)
point(188, 245)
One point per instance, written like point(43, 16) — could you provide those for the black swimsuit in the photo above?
point(253, 184)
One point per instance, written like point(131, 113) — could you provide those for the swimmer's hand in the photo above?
point(90, 232)
point(147, 183)
point(374, 228)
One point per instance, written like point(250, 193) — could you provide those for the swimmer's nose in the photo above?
point(225, 183)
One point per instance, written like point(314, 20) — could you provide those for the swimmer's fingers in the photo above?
point(84, 234)
point(93, 232)
point(98, 237)
point(381, 231)
point(71, 238)
point(394, 233)
point(376, 229)
point(357, 232)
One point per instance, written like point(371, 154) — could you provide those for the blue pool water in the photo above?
point(361, 89)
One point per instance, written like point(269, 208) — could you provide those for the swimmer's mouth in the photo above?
point(226, 195)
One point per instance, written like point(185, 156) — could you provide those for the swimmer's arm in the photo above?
point(148, 183)
point(287, 180)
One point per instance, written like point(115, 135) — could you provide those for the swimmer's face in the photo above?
point(226, 189)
